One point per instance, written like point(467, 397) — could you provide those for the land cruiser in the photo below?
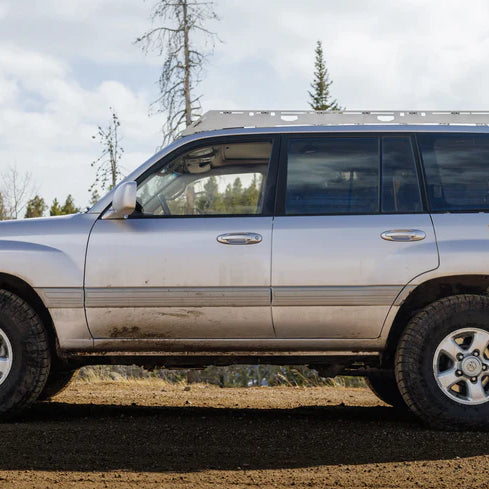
point(353, 242)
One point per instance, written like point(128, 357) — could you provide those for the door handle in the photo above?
point(403, 235)
point(239, 238)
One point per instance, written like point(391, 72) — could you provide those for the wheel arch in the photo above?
point(26, 292)
point(424, 294)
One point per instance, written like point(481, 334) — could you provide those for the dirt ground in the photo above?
point(147, 434)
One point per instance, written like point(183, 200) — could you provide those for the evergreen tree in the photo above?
point(210, 199)
point(35, 207)
point(251, 196)
point(69, 206)
point(320, 96)
point(55, 209)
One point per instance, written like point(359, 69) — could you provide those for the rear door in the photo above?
point(456, 166)
point(350, 232)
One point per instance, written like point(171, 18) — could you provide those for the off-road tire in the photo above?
point(58, 381)
point(30, 354)
point(414, 362)
point(384, 386)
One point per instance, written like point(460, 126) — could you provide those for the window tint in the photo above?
point(457, 171)
point(400, 187)
point(332, 175)
point(220, 179)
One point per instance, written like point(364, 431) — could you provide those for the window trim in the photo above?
point(269, 195)
point(419, 175)
point(420, 172)
point(280, 199)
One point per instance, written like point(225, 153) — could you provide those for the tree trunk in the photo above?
point(113, 158)
point(186, 83)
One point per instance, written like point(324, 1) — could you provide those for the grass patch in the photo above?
point(233, 376)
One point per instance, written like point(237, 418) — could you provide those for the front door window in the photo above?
point(221, 179)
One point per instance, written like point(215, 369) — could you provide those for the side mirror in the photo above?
point(124, 201)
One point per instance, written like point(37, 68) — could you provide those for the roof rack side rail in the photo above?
point(234, 119)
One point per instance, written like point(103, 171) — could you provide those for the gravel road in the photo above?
point(152, 435)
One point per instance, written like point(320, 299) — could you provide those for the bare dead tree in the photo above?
point(3, 211)
point(16, 189)
point(178, 34)
point(107, 165)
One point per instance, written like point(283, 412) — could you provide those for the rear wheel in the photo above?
point(384, 386)
point(24, 354)
point(442, 363)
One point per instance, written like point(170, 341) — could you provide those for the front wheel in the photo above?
point(58, 381)
point(24, 354)
point(442, 363)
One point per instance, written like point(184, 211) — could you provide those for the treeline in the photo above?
point(235, 198)
point(37, 207)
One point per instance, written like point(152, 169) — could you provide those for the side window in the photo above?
point(457, 171)
point(220, 179)
point(332, 175)
point(400, 186)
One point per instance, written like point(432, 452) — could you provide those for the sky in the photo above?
point(63, 63)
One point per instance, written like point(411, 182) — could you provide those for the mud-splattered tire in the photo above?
point(24, 355)
point(430, 359)
point(384, 386)
point(58, 381)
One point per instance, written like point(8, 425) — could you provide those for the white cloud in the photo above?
point(54, 142)
point(408, 53)
point(63, 63)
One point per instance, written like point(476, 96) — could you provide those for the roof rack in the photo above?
point(232, 119)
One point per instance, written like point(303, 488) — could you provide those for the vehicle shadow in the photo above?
point(70, 437)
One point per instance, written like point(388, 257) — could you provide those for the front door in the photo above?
point(350, 233)
point(193, 261)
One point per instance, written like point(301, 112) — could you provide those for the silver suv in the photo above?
point(354, 243)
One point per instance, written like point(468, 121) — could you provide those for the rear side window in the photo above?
point(332, 175)
point(341, 175)
point(457, 171)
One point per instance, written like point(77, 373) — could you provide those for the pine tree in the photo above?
point(209, 200)
point(69, 206)
point(35, 207)
point(55, 209)
point(320, 96)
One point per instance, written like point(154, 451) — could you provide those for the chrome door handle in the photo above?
point(403, 235)
point(239, 238)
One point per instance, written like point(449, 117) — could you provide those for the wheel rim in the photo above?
point(5, 356)
point(461, 366)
